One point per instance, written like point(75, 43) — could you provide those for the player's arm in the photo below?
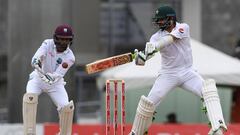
point(37, 61)
point(153, 47)
point(164, 41)
point(60, 72)
point(39, 57)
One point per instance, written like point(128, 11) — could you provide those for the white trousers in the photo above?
point(57, 91)
point(189, 80)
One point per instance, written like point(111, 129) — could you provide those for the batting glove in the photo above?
point(140, 58)
point(150, 50)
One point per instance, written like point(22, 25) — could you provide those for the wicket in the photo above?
point(115, 105)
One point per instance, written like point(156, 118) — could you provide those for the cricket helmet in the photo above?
point(164, 17)
point(63, 37)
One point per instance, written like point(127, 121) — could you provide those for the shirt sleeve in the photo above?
point(64, 66)
point(41, 52)
point(182, 31)
point(153, 38)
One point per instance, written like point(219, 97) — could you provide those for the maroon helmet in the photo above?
point(64, 31)
point(63, 37)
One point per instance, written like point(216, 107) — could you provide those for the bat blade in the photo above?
point(110, 62)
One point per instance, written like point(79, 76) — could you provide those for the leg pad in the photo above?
point(143, 118)
point(66, 118)
point(30, 101)
point(212, 103)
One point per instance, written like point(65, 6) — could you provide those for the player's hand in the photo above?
point(36, 63)
point(140, 58)
point(150, 50)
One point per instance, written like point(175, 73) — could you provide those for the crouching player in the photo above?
point(51, 62)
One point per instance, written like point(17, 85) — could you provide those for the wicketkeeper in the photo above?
point(173, 41)
point(51, 62)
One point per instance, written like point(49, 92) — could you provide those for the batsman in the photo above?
point(172, 40)
point(50, 62)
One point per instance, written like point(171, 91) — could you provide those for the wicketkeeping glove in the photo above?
point(140, 58)
point(48, 78)
point(36, 63)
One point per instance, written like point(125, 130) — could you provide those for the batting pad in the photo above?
point(66, 118)
point(212, 102)
point(143, 117)
point(30, 101)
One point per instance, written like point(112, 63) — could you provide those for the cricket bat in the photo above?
point(110, 62)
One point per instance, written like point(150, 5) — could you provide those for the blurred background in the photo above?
point(105, 28)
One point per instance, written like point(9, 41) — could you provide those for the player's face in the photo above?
point(161, 22)
point(165, 24)
point(62, 43)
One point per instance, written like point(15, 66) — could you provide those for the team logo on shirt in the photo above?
point(181, 30)
point(65, 65)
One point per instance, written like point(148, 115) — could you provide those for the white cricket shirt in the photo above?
point(178, 55)
point(53, 62)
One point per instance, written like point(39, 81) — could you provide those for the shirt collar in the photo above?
point(65, 52)
point(166, 32)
